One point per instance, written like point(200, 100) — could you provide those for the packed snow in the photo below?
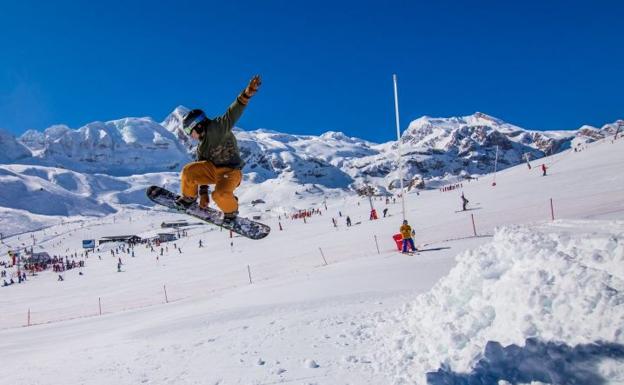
point(514, 298)
point(561, 283)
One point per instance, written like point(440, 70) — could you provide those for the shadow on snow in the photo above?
point(547, 362)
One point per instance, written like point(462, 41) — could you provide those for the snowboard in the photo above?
point(241, 225)
point(471, 209)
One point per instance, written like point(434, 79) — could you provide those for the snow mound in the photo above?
point(558, 283)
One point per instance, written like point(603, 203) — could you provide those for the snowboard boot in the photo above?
point(230, 217)
point(184, 203)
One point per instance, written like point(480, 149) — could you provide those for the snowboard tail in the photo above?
point(241, 225)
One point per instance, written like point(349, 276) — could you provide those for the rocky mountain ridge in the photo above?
point(434, 150)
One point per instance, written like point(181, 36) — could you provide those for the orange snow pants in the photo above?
point(225, 179)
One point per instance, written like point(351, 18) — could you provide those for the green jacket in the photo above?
point(218, 145)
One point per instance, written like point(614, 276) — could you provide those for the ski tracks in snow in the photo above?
point(306, 346)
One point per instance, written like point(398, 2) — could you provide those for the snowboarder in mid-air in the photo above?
point(464, 202)
point(218, 158)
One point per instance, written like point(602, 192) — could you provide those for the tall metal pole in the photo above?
point(495, 160)
point(398, 128)
point(495, 164)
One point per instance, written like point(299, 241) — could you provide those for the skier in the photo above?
point(406, 234)
point(218, 158)
point(464, 201)
point(543, 169)
point(385, 211)
point(348, 221)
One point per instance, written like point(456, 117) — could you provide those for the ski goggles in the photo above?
point(191, 126)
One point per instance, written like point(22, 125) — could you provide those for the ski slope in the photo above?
point(368, 316)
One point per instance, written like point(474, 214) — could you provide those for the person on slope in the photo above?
point(406, 234)
point(544, 169)
point(464, 202)
point(218, 158)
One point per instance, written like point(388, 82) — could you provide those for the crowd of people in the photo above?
point(451, 187)
point(305, 213)
point(14, 271)
point(21, 277)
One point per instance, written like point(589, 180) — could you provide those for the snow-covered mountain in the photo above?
point(304, 159)
point(118, 147)
point(435, 150)
point(53, 191)
point(11, 150)
point(103, 166)
point(173, 124)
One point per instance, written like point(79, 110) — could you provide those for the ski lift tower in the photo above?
point(526, 156)
point(369, 193)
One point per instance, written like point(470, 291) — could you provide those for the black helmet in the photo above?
point(193, 120)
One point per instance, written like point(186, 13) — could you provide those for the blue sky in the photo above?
point(326, 65)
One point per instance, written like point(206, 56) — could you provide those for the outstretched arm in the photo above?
point(235, 110)
point(250, 90)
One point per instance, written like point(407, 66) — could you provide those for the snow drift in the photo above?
point(553, 284)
